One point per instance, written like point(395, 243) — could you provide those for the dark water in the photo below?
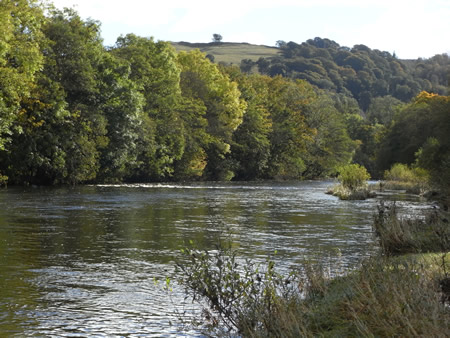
point(86, 261)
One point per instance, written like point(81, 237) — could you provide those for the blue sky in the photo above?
point(410, 28)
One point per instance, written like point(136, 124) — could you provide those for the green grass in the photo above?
point(229, 52)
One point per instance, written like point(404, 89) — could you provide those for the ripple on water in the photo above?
point(92, 260)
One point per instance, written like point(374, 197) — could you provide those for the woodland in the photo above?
point(74, 111)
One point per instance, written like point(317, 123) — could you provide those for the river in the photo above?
point(86, 261)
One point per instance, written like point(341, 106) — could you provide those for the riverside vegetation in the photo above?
point(353, 183)
point(388, 295)
point(73, 111)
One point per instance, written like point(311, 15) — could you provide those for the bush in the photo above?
point(241, 297)
point(399, 172)
point(402, 177)
point(353, 177)
point(353, 183)
point(346, 194)
point(385, 297)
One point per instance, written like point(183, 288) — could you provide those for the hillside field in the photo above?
point(230, 52)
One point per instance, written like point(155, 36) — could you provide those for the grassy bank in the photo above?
point(402, 291)
point(401, 177)
point(398, 235)
point(385, 297)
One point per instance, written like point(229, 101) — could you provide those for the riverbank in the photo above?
point(400, 296)
point(404, 290)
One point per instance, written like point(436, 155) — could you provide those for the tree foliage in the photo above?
point(21, 57)
point(73, 111)
point(359, 72)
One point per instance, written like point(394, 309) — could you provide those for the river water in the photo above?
point(87, 261)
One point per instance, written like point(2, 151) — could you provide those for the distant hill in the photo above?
point(230, 52)
point(358, 72)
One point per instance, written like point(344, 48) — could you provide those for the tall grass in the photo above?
point(398, 235)
point(386, 296)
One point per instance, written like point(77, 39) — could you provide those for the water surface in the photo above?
point(84, 261)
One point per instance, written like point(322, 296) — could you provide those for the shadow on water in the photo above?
point(83, 261)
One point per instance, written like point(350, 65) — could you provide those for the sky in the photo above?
point(410, 28)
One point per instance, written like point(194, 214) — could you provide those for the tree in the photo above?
point(287, 102)
point(330, 146)
point(154, 69)
point(122, 105)
point(204, 84)
point(250, 149)
point(382, 109)
point(217, 38)
point(73, 57)
point(281, 43)
point(20, 57)
point(423, 124)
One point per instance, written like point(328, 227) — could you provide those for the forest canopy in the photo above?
point(74, 111)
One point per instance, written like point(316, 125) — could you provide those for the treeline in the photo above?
point(73, 111)
point(359, 72)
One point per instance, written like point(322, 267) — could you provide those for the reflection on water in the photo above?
point(84, 261)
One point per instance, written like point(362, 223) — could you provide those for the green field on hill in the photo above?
point(230, 52)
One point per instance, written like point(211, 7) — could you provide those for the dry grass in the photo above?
point(386, 297)
point(347, 194)
point(403, 235)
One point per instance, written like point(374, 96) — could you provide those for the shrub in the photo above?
point(402, 177)
point(385, 297)
point(241, 297)
point(353, 183)
point(353, 177)
point(399, 172)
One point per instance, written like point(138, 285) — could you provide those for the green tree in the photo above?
point(20, 57)
point(330, 146)
point(156, 73)
point(251, 144)
point(122, 106)
point(202, 82)
point(217, 38)
point(73, 57)
point(367, 138)
point(287, 103)
point(36, 152)
point(383, 109)
point(427, 116)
